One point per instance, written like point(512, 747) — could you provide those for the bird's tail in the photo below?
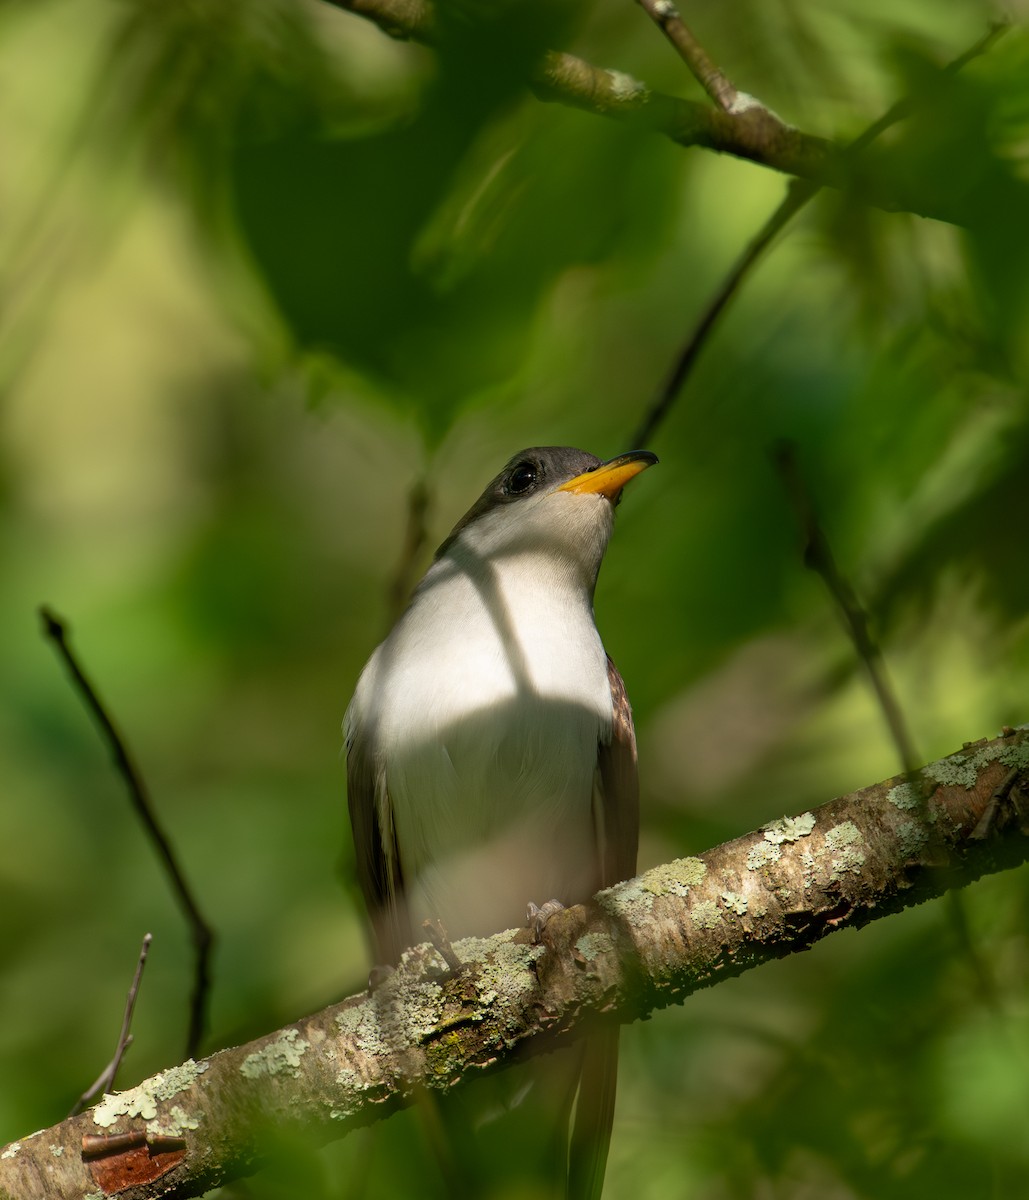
point(594, 1115)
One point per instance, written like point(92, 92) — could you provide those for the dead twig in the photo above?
point(200, 932)
point(105, 1081)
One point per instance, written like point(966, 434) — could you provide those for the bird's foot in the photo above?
point(536, 918)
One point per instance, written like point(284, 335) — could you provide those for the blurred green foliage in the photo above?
point(263, 268)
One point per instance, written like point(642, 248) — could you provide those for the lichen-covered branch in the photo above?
point(745, 130)
point(641, 946)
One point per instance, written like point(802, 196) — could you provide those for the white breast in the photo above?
point(486, 706)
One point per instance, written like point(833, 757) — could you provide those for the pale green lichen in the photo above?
point(175, 1122)
point(357, 1021)
point(674, 878)
point(705, 914)
point(911, 837)
point(349, 1081)
point(734, 902)
point(743, 102)
point(788, 829)
point(842, 841)
point(807, 862)
point(904, 797)
point(12, 1150)
point(504, 969)
point(398, 1013)
point(142, 1101)
point(351, 1086)
point(592, 945)
point(763, 854)
point(1016, 756)
point(281, 1056)
point(406, 1007)
point(956, 771)
point(962, 770)
point(630, 901)
point(625, 87)
point(844, 834)
point(57, 1151)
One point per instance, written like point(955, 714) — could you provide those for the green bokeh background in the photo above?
point(263, 269)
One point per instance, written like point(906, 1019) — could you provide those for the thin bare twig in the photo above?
point(105, 1081)
point(818, 556)
point(200, 932)
point(799, 193)
point(415, 535)
point(711, 78)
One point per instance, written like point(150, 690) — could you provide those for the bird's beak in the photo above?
point(610, 477)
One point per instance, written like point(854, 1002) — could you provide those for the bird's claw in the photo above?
point(536, 917)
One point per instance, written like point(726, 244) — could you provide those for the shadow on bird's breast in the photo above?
point(499, 806)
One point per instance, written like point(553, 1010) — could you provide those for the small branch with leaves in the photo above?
point(639, 947)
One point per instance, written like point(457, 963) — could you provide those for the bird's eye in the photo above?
point(522, 477)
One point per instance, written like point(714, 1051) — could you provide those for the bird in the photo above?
point(491, 755)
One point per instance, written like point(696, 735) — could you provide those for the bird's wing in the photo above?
point(375, 845)
point(617, 814)
point(617, 790)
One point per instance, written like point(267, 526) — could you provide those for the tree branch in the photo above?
point(201, 933)
point(107, 1077)
point(746, 130)
point(641, 946)
point(711, 78)
point(798, 194)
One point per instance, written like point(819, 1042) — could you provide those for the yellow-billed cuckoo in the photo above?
point(491, 758)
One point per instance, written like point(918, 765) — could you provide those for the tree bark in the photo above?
point(638, 947)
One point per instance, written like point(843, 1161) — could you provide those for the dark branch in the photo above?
point(800, 192)
point(200, 932)
point(818, 556)
point(749, 131)
point(641, 946)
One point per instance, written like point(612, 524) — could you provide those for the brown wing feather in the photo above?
point(618, 789)
point(375, 845)
point(617, 801)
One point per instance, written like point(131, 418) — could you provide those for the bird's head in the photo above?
point(551, 501)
